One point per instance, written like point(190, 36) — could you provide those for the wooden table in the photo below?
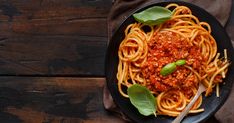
point(52, 56)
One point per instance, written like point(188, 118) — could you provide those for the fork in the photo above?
point(180, 117)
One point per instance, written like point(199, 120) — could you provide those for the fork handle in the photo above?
point(187, 108)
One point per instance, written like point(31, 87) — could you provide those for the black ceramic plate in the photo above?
point(211, 104)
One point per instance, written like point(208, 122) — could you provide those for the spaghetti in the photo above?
point(143, 53)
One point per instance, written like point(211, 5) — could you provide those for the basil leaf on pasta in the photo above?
point(153, 16)
point(180, 62)
point(142, 99)
point(168, 69)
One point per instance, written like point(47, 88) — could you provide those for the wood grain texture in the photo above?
point(53, 100)
point(53, 37)
point(60, 55)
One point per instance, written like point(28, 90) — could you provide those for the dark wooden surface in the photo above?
point(52, 100)
point(53, 37)
point(52, 56)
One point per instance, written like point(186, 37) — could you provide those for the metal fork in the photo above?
point(180, 117)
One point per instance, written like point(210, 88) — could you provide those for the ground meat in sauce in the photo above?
point(165, 48)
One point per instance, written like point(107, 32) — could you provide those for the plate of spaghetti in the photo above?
point(170, 58)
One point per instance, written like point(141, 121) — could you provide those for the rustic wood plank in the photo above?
point(53, 100)
point(46, 17)
point(88, 27)
point(21, 10)
point(58, 55)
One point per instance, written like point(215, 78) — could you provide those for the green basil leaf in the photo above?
point(142, 99)
point(153, 16)
point(180, 62)
point(168, 69)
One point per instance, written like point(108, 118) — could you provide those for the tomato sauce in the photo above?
point(168, 47)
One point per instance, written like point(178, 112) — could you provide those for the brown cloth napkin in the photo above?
point(121, 9)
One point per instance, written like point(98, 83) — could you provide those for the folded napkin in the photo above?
point(121, 9)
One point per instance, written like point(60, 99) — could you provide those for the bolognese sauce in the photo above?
point(168, 47)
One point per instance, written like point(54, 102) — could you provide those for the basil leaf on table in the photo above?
point(142, 99)
point(153, 16)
